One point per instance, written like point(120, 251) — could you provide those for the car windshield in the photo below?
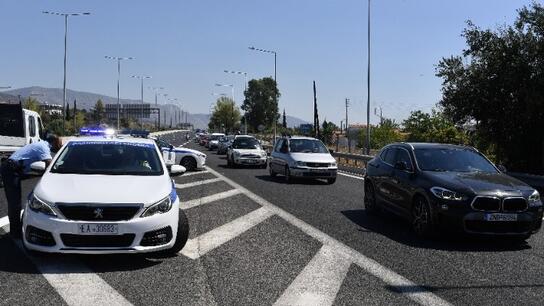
point(111, 158)
point(246, 143)
point(307, 146)
point(215, 137)
point(452, 159)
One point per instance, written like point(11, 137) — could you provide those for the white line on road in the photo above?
point(320, 281)
point(75, 282)
point(398, 282)
point(4, 221)
point(208, 199)
point(197, 183)
point(352, 176)
point(194, 173)
point(204, 243)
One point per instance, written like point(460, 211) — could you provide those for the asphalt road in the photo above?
point(255, 240)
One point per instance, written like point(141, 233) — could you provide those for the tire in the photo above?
point(371, 207)
point(422, 223)
point(272, 173)
point(182, 234)
point(189, 163)
point(331, 181)
point(288, 178)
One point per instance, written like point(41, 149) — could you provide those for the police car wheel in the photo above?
point(189, 163)
point(182, 235)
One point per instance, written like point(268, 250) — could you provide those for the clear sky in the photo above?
point(186, 45)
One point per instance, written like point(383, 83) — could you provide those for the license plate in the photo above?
point(316, 170)
point(98, 229)
point(501, 217)
point(251, 161)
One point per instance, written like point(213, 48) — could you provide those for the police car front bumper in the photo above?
point(50, 234)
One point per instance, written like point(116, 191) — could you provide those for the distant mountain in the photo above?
point(8, 98)
point(87, 100)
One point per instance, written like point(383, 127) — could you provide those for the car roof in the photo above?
point(113, 138)
point(243, 136)
point(302, 137)
point(430, 145)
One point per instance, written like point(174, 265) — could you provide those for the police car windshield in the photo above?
point(110, 158)
point(245, 143)
point(307, 146)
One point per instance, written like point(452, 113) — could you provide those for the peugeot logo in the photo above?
point(98, 213)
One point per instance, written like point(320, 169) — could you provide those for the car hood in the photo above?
point(481, 183)
point(75, 188)
point(313, 157)
point(248, 151)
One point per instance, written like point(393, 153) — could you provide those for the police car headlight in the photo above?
point(37, 205)
point(534, 200)
point(160, 207)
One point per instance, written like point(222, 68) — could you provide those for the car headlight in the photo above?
point(236, 153)
point(446, 194)
point(333, 164)
point(534, 199)
point(160, 207)
point(301, 164)
point(37, 205)
point(263, 154)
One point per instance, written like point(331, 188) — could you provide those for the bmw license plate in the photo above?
point(501, 217)
point(98, 229)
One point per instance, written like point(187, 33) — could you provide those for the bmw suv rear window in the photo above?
point(110, 158)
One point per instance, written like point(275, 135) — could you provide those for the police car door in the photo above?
point(168, 153)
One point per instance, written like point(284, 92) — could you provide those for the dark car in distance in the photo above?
point(442, 186)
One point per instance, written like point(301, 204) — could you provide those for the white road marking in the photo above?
point(75, 282)
point(398, 282)
point(4, 221)
point(320, 281)
point(194, 173)
point(208, 199)
point(197, 183)
point(352, 176)
point(204, 243)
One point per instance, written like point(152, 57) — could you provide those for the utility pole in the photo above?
point(368, 89)
point(316, 116)
point(347, 126)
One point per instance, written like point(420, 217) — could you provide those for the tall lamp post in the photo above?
point(245, 88)
point(118, 59)
point(275, 83)
point(368, 89)
point(65, 15)
point(141, 77)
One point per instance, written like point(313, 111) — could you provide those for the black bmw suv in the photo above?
point(451, 187)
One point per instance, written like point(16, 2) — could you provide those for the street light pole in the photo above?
point(368, 89)
point(65, 15)
point(232, 105)
point(245, 89)
point(118, 59)
point(275, 84)
point(141, 77)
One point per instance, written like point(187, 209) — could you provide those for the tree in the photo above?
point(498, 85)
point(260, 104)
point(98, 111)
point(68, 116)
point(32, 104)
point(284, 120)
point(327, 132)
point(433, 127)
point(225, 115)
point(385, 133)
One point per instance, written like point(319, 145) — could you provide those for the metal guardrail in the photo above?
point(354, 163)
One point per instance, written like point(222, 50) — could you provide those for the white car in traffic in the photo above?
point(105, 195)
point(302, 157)
point(190, 159)
point(246, 150)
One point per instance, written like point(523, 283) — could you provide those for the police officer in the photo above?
point(15, 167)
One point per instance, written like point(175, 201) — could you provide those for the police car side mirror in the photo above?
point(176, 170)
point(38, 166)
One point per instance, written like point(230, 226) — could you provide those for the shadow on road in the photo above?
point(398, 229)
point(281, 180)
point(16, 260)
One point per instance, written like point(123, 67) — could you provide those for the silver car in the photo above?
point(302, 157)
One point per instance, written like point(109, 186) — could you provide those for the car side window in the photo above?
point(403, 156)
point(384, 154)
point(284, 146)
point(278, 145)
point(390, 156)
point(31, 126)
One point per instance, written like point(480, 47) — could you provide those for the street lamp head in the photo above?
point(251, 48)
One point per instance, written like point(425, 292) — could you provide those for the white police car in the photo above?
point(190, 159)
point(105, 195)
